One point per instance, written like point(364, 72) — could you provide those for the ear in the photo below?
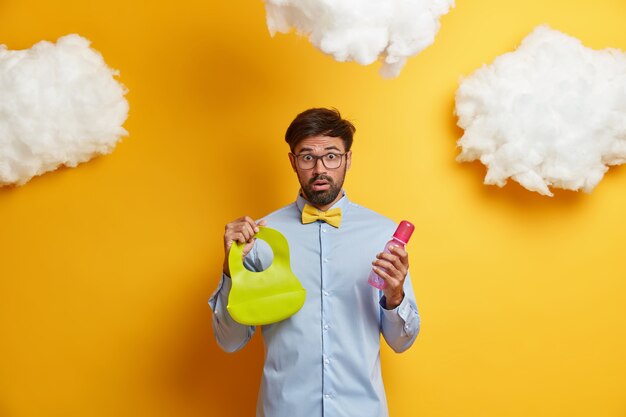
point(348, 160)
point(292, 159)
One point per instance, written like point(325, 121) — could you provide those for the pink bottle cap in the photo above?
point(404, 231)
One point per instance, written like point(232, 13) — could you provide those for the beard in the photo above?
point(323, 197)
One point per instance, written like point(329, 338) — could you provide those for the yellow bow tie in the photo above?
point(311, 214)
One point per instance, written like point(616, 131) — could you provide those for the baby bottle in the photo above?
point(400, 238)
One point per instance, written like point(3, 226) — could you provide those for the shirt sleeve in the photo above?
point(230, 335)
point(401, 325)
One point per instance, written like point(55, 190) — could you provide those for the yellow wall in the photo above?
point(105, 269)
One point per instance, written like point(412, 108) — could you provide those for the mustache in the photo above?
point(321, 177)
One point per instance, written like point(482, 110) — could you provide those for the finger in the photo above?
point(392, 271)
point(248, 231)
point(235, 232)
point(381, 272)
point(251, 223)
point(392, 282)
point(395, 260)
point(229, 239)
point(238, 224)
point(248, 247)
point(239, 237)
point(402, 254)
point(262, 222)
point(234, 226)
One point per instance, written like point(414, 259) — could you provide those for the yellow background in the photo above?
point(105, 269)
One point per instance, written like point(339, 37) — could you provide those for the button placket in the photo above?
point(326, 278)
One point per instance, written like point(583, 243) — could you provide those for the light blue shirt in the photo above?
point(325, 359)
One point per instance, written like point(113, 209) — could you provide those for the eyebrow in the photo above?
point(329, 148)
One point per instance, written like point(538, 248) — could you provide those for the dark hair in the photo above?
point(319, 122)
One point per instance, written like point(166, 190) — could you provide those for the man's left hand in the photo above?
point(396, 265)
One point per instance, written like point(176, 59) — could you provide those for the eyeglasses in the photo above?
point(308, 161)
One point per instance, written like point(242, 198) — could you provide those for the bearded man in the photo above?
point(324, 361)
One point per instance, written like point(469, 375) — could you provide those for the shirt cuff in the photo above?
point(400, 313)
point(225, 285)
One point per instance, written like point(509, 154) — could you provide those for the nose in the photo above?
point(319, 166)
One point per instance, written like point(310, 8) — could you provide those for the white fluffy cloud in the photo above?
point(59, 105)
point(362, 30)
point(550, 114)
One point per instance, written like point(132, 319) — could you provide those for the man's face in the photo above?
point(321, 185)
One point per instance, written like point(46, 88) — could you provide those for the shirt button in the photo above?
point(325, 259)
point(327, 396)
point(326, 327)
point(326, 293)
point(326, 361)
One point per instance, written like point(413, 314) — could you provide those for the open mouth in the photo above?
point(320, 185)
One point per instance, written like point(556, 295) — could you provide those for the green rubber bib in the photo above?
point(265, 297)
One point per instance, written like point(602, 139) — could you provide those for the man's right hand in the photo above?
point(241, 230)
